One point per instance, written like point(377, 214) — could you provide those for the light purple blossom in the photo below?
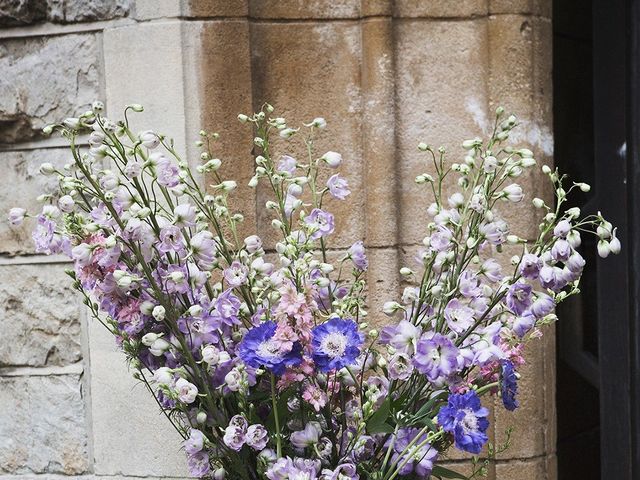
point(167, 174)
point(519, 297)
point(400, 366)
point(459, 316)
point(306, 437)
point(561, 250)
point(530, 266)
point(184, 215)
point(338, 187)
point(236, 274)
point(543, 305)
point(320, 222)
point(436, 357)
point(198, 464)
point(287, 164)
point(235, 434)
point(195, 442)
point(170, 239)
point(256, 437)
point(358, 257)
point(16, 216)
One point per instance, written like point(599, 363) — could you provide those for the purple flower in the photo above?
point(195, 442)
point(167, 173)
point(561, 250)
point(519, 297)
point(198, 464)
point(465, 418)
point(287, 164)
point(436, 357)
point(492, 270)
point(226, 308)
point(287, 469)
point(256, 437)
point(418, 458)
point(530, 266)
point(575, 263)
point(338, 187)
point(508, 385)
point(459, 316)
point(562, 229)
point(441, 240)
point(524, 323)
point(235, 433)
point(170, 239)
point(358, 257)
point(236, 274)
point(204, 249)
point(320, 222)
point(336, 344)
point(307, 437)
point(43, 234)
point(16, 216)
point(346, 471)
point(258, 349)
point(543, 305)
point(400, 366)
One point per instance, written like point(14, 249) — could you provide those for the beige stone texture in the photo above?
point(440, 8)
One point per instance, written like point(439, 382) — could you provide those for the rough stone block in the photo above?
point(43, 425)
point(130, 435)
point(302, 87)
point(22, 12)
point(441, 99)
point(533, 469)
point(71, 11)
point(533, 7)
point(44, 80)
point(21, 168)
point(315, 9)
point(39, 316)
point(440, 8)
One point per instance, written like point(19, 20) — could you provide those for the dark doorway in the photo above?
point(596, 140)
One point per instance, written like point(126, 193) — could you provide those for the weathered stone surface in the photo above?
point(69, 11)
point(440, 8)
point(39, 316)
point(304, 9)
point(44, 80)
point(441, 100)
point(130, 435)
point(21, 12)
point(25, 12)
point(322, 61)
point(21, 168)
point(43, 425)
point(534, 7)
point(534, 469)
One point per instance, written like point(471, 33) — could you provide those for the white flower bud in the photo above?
point(604, 248)
point(195, 310)
point(538, 202)
point(546, 170)
point(201, 417)
point(66, 203)
point(288, 132)
point(149, 139)
point(333, 159)
point(149, 338)
point(243, 118)
point(97, 106)
point(513, 239)
point(528, 162)
point(47, 169)
point(253, 183)
point(585, 187)
point(405, 271)
point(423, 147)
point(319, 122)
point(389, 308)
point(158, 313)
point(158, 347)
point(614, 245)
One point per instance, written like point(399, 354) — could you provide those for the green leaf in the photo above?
point(441, 472)
point(377, 423)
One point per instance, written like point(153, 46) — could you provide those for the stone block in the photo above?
point(531, 469)
point(130, 435)
point(44, 80)
point(440, 8)
point(72, 11)
point(318, 76)
point(441, 99)
point(302, 9)
point(43, 425)
point(39, 317)
point(541, 8)
point(21, 168)
point(22, 12)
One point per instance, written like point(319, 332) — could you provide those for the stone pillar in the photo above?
point(385, 74)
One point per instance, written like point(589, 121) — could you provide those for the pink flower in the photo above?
point(314, 397)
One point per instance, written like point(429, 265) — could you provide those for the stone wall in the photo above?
point(386, 75)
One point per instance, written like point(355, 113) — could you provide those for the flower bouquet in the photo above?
point(264, 361)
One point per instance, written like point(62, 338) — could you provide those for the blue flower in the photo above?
point(508, 385)
point(465, 418)
point(336, 344)
point(259, 349)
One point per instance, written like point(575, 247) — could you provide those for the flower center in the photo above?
point(269, 349)
point(334, 344)
point(469, 421)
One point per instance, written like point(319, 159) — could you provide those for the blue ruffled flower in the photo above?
point(508, 385)
point(336, 344)
point(259, 349)
point(465, 418)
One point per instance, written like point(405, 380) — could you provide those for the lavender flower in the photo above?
point(357, 254)
point(256, 437)
point(519, 297)
point(195, 442)
point(459, 316)
point(436, 357)
point(198, 464)
point(236, 274)
point(338, 187)
point(320, 223)
point(466, 419)
point(336, 344)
